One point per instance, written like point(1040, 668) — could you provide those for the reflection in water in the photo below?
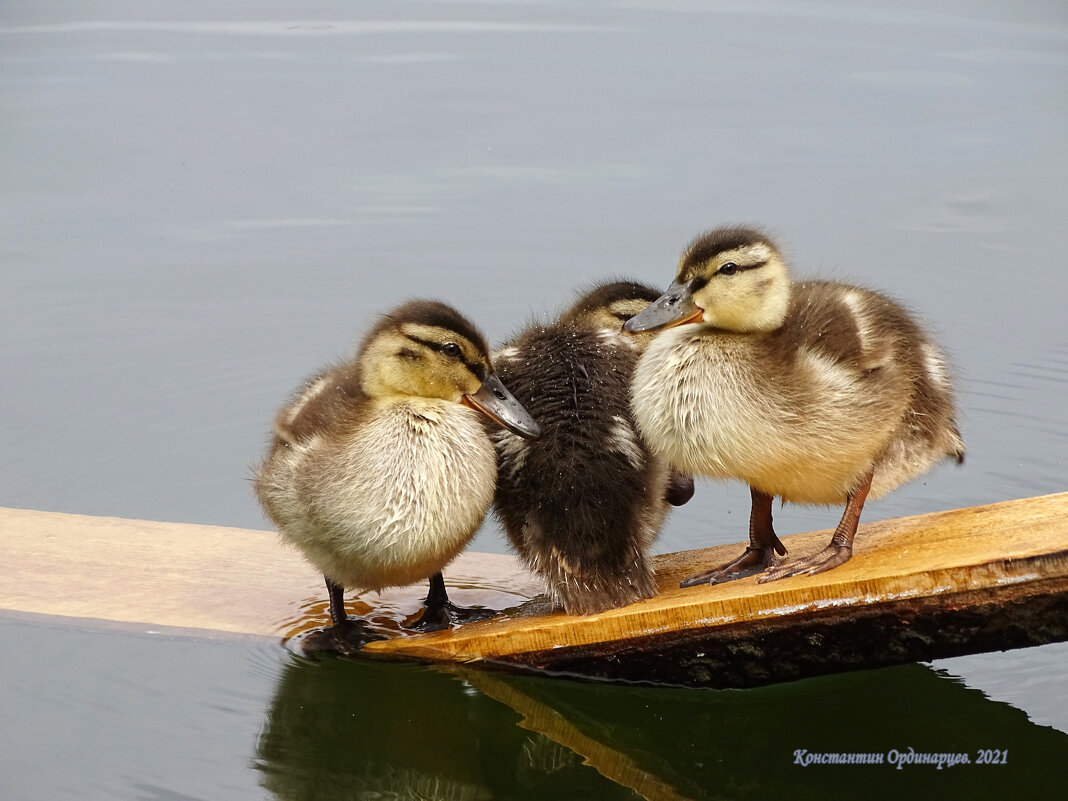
point(341, 730)
point(352, 728)
point(561, 741)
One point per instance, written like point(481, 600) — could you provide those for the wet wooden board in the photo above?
point(918, 588)
point(196, 580)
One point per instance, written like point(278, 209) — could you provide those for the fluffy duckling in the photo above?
point(380, 470)
point(582, 504)
point(816, 392)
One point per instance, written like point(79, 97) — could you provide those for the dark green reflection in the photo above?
point(349, 728)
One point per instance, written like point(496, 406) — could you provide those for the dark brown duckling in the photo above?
point(582, 504)
point(380, 470)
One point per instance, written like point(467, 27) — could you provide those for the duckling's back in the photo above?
point(583, 503)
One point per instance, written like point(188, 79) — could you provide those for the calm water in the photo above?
point(200, 203)
point(106, 716)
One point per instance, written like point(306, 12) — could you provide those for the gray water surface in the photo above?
point(104, 716)
point(201, 203)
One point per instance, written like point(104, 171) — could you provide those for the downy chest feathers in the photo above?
point(398, 497)
point(721, 405)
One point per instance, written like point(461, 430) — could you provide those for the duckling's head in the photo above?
point(607, 306)
point(426, 349)
point(732, 278)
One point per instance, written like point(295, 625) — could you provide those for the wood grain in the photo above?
point(203, 579)
point(994, 552)
point(921, 587)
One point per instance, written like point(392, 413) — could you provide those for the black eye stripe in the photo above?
point(429, 343)
point(476, 368)
point(733, 267)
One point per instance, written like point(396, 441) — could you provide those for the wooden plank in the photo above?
point(936, 585)
point(200, 579)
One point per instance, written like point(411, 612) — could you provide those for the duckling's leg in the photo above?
point(841, 547)
point(337, 603)
point(441, 613)
point(762, 550)
point(348, 634)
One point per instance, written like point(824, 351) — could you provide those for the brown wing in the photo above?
point(326, 401)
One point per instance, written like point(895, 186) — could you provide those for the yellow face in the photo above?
point(426, 361)
point(730, 278)
point(745, 288)
point(425, 349)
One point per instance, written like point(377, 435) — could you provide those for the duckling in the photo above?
point(583, 504)
point(380, 469)
point(815, 392)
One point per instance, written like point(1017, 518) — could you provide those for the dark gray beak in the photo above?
point(497, 403)
point(674, 307)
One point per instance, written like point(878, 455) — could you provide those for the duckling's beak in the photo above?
point(674, 307)
point(497, 403)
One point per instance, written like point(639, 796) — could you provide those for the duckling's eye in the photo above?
point(451, 349)
point(730, 268)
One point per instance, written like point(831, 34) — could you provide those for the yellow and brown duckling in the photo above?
point(583, 503)
point(815, 392)
point(380, 470)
